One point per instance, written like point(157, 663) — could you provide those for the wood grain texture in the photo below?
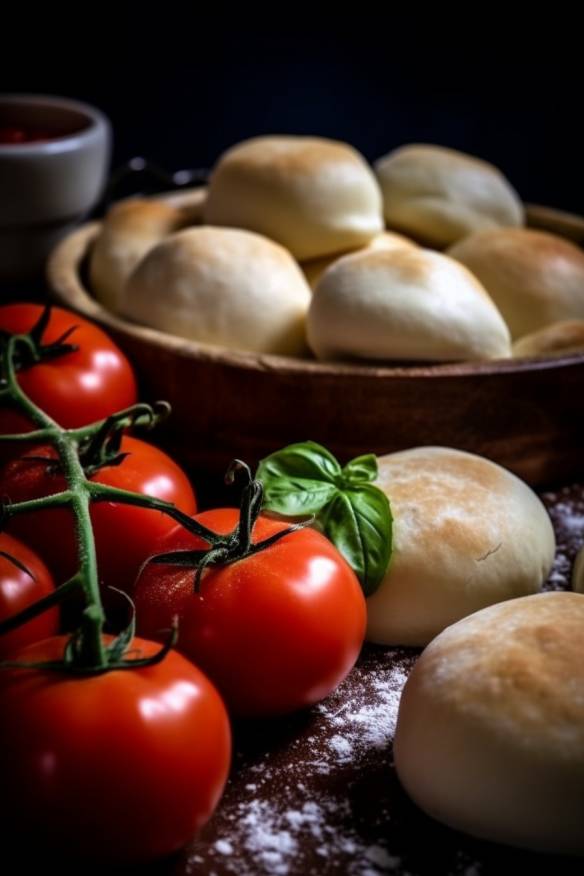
point(524, 414)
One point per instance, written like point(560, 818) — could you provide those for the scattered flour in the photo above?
point(274, 837)
point(566, 509)
point(281, 815)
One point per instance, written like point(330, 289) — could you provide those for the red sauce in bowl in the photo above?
point(13, 135)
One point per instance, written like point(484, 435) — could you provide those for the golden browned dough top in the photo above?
point(518, 666)
point(282, 154)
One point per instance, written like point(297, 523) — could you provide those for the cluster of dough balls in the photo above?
point(294, 254)
point(455, 202)
point(490, 729)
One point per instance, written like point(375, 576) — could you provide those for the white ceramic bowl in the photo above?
point(47, 186)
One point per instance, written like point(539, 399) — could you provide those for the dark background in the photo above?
point(180, 85)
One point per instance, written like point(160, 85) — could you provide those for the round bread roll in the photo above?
point(388, 240)
point(557, 339)
point(439, 195)
point(467, 533)
point(314, 196)
point(221, 286)
point(404, 304)
point(130, 229)
point(534, 278)
point(490, 731)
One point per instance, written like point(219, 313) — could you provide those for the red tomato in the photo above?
point(124, 534)
point(19, 590)
point(276, 631)
point(77, 388)
point(122, 766)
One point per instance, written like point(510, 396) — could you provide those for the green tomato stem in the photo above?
point(76, 496)
point(87, 651)
point(105, 493)
point(138, 415)
point(55, 500)
point(235, 545)
point(21, 437)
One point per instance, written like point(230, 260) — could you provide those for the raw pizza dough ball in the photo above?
point(439, 195)
point(534, 278)
point(130, 229)
point(403, 304)
point(221, 286)
point(388, 240)
point(467, 533)
point(313, 196)
point(557, 339)
point(490, 731)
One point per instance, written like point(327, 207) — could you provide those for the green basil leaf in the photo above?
point(304, 460)
point(359, 523)
point(300, 479)
point(354, 514)
point(361, 470)
point(297, 496)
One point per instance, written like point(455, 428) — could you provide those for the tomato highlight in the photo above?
point(20, 589)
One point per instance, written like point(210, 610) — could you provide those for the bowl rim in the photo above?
point(98, 125)
point(65, 283)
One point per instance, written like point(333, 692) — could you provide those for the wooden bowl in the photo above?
point(524, 414)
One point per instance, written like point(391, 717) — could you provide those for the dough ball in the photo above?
point(313, 196)
point(467, 533)
point(404, 304)
point(388, 240)
point(221, 286)
point(130, 229)
point(534, 278)
point(490, 731)
point(557, 339)
point(439, 195)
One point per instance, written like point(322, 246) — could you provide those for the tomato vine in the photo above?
point(86, 650)
point(80, 452)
